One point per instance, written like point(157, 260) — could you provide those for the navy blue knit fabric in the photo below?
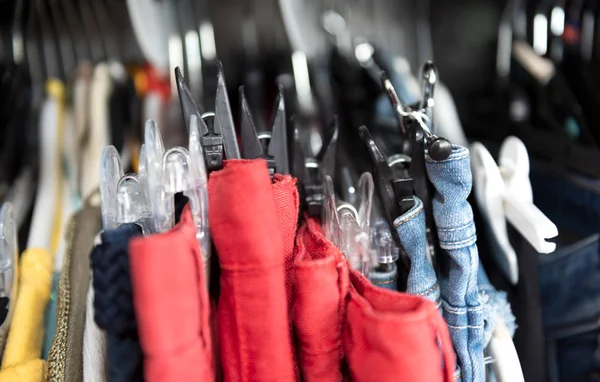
point(113, 303)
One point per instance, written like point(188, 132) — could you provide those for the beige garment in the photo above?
point(65, 360)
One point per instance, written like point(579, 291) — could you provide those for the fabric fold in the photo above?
point(320, 288)
point(171, 305)
point(392, 336)
point(255, 342)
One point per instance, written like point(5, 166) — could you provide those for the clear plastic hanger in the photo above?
point(122, 195)
point(178, 170)
point(9, 249)
point(347, 227)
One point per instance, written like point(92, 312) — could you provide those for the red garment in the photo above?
point(320, 289)
point(253, 322)
point(383, 335)
point(287, 203)
point(172, 305)
point(392, 336)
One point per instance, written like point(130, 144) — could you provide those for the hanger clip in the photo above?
point(269, 145)
point(219, 140)
point(310, 171)
point(9, 248)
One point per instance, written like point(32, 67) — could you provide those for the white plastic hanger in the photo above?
point(519, 207)
point(504, 193)
point(506, 365)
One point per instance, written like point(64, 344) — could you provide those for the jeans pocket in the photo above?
point(573, 352)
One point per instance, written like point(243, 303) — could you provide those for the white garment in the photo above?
point(94, 340)
point(49, 173)
point(99, 131)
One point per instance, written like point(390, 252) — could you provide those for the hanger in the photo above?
point(151, 31)
point(64, 38)
point(348, 227)
point(49, 44)
point(9, 255)
point(393, 182)
point(9, 251)
point(311, 170)
point(219, 141)
point(269, 145)
point(92, 30)
point(106, 28)
point(178, 170)
point(74, 24)
point(123, 199)
point(503, 194)
point(193, 59)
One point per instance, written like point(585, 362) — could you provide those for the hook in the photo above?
point(438, 148)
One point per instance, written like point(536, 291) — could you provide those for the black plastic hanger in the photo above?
point(51, 52)
point(106, 28)
point(311, 170)
point(393, 182)
point(92, 30)
point(64, 38)
point(269, 145)
point(219, 140)
point(76, 30)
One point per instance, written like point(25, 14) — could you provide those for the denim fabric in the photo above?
point(422, 280)
point(494, 302)
point(570, 277)
point(385, 276)
point(456, 232)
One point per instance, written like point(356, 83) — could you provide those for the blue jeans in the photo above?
point(422, 280)
point(458, 281)
point(494, 302)
point(385, 276)
point(570, 277)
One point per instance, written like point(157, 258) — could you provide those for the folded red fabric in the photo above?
point(172, 305)
point(254, 331)
point(392, 336)
point(320, 289)
point(287, 204)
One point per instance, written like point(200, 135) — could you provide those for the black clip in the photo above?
point(311, 171)
point(219, 141)
point(269, 145)
point(393, 181)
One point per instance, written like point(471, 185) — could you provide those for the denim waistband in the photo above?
point(422, 280)
point(453, 217)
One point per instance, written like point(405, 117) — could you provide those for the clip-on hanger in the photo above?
point(311, 170)
point(219, 141)
point(122, 196)
point(178, 170)
point(347, 227)
point(269, 145)
point(504, 193)
point(394, 184)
